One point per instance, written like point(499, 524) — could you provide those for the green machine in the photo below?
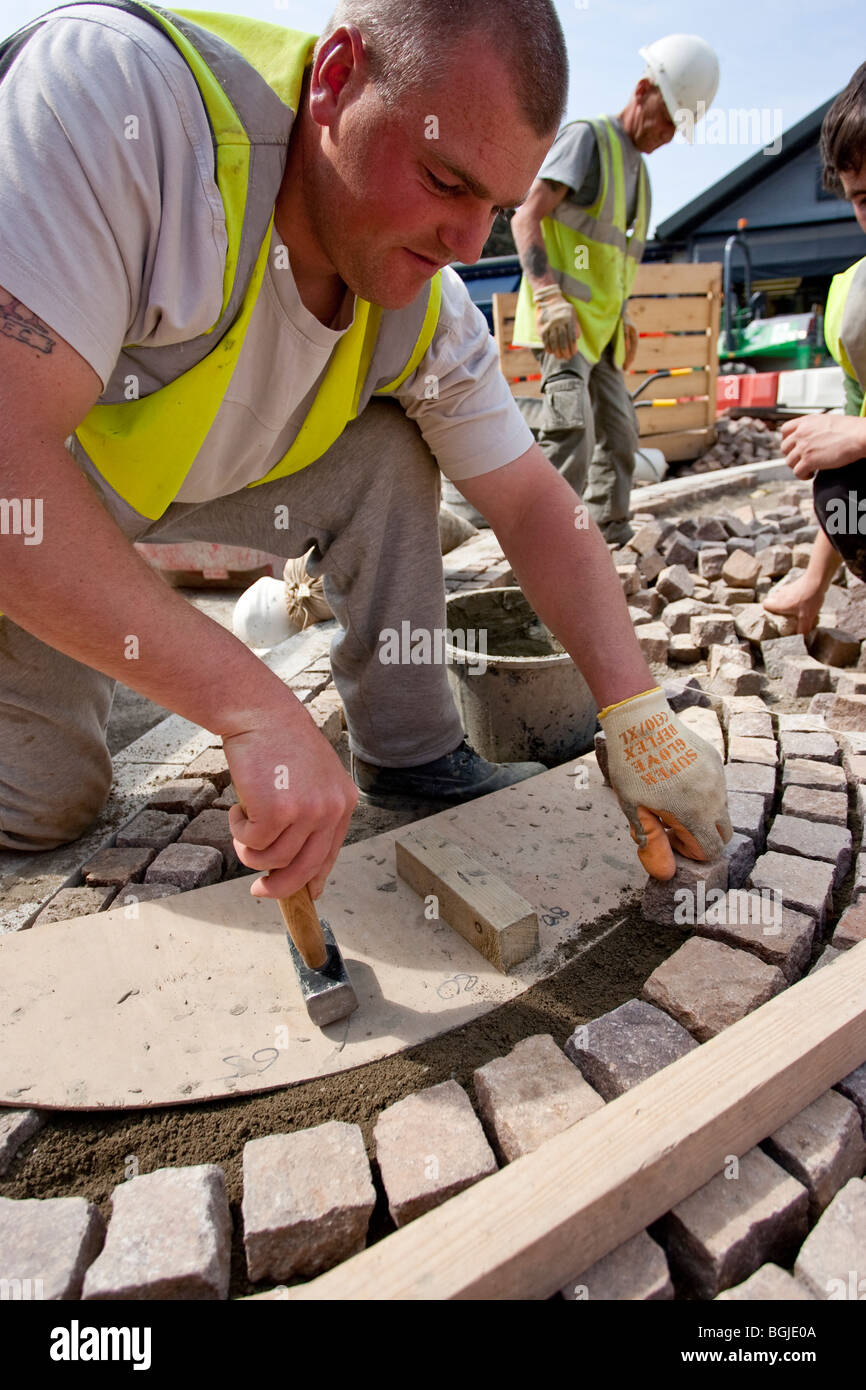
point(749, 342)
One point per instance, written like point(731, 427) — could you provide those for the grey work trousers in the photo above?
point(369, 507)
point(586, 424)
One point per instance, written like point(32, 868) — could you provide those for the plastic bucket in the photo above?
point(520, 695)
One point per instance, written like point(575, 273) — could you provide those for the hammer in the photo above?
point(325, 986)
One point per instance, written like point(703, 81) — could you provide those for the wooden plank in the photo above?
point(715, 328)
point(670, 314)
point(524, 1232)
point(684, 444)
point(695, 384)
point(675, 350)
point(478, 904)
point(681, 277)
point(671, 419)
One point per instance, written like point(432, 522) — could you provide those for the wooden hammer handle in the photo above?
point(305, 929)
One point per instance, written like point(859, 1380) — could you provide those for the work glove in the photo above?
point(631, 343)
point(556, 321)
point(669, 782)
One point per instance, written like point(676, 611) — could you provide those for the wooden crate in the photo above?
point(676, 310)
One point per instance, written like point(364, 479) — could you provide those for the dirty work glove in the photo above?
point(556, 321)
point(669, 782)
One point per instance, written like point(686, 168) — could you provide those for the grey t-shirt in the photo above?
point(112, 230)
point(573, 160)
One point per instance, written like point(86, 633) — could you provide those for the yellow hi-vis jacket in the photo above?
point(593, 255)
point(249, 74)
point(845, 324)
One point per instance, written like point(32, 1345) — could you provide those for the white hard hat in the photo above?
point(260, 618)
point(686, 71)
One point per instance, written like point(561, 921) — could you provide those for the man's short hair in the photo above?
point(843, 133)
point(410, 44)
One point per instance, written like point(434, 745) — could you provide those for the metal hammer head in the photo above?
point(328, 993)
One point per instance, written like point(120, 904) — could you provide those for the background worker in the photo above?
point(832, 448)
point(260, 312)
point(580, 236)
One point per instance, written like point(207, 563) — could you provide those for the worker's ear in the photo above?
point(340, 69)
point(643, 89)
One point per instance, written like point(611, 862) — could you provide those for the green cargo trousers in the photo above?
point(586, 424)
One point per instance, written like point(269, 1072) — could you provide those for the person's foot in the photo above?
point(456, 777)
point(799, 600)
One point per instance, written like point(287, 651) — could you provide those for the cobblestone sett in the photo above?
point(750, 726)
point(429, 1147)
point(755, 922)
point(732, 679)
point(734, 1224)
point(806, 772)
point(804, 677)
point(50, 1243)
point(706, 986)
point(116, 867)
point(821, 747)
point(16, 1127)
point(753, 750)
point(741, 570)
point(822, 1148)
point(754, 778)
point(150, 830)
point(636, 1271)
point(530, 1095)
point(308, 1199)
point(806, 885)
point(74, 902)
point(620, 1049)
point(748, 816)
point(705, 723)
point(212, 828)
point(778, 650)
point(740, 853)
point(169, 1237)
point(853, 1087)
point(184, 796)
point(835, 1249)
point(851, 928)
point(709, 629)
point(667, 901)
point(675, 582)
point(812, 840)
point(212, 765)
point(834, 646)
point(189, 866)
point(829, 808)
point(653, 640)
point(136, 893)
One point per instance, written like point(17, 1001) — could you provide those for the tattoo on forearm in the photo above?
point(536, 259)
point(17, 321)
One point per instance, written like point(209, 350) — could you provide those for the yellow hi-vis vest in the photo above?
point(249, 74)
point(593, 255)
point(845, 324)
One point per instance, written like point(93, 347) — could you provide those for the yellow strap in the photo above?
point(428, 328)
point(607, 709)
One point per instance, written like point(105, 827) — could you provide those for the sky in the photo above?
point(780, 57)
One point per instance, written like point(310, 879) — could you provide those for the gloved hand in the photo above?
point(631, 343)
point(556, 321)
point(669, 782)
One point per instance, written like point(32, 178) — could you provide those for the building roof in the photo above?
point(740, 180)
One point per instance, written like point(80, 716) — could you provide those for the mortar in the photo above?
point(522, 699)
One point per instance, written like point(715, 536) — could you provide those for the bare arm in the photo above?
point(565, 571)
point(544, 196)
point(85, 591)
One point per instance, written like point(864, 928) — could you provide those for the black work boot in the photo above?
point(449, 780)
